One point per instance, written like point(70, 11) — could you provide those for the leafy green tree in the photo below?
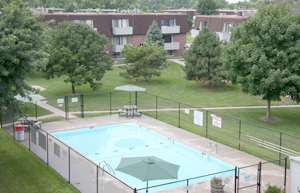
point(143, 61)
point(264, 56)
point(20, 50)
point(202, 60)
point(154, 34)
point(206, 7)
point(70, 8)
point(190, 22)
point(78, 52)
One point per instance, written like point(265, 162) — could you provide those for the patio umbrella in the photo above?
point(130, 88)
point(148, 168)
point(30, 98)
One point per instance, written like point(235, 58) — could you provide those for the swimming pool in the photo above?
point(112, 142)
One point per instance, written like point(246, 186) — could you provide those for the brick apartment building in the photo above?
point(122, 28)
point(217, 23)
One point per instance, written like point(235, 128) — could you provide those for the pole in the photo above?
point(156, 107)
point(110, 102)
point(240, 128)
point(280, 147)
point(285, 166)
point(69, 166)
point(47, 150)
point(35, 110)
point(206, 123)
point(179, 116)
point(147, 187)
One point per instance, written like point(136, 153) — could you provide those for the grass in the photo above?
point(21, 171)
point(171, 84)
point(189, 38)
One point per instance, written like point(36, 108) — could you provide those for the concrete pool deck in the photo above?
point(271, 173)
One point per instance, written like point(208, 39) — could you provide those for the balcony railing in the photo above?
point(224, 36)
point(172, 46)
point(117, 48)
point(194, 32)
point(170, 29)
point(122, 31)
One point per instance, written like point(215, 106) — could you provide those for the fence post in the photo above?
point(187, 184)
point(206, 123)
point(69, 165)
point(110, 102)
point(280, 147)
point(1, 116)
point(29, 134)
point(259, 177)
point(66, 107)
point(82, 106)
point(285, 166)
point(136, 98)
point(47, 149)
point(179, 116)
point(97, 173)
point(36, 110)
point(235, 177)
point(240, 128)
point(237, 180)
point(156, 107)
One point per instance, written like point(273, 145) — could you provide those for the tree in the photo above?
point(70, 8)
point(202, 60)
point(206, 7)
point(144, 61)
point(20, 50)
point(264, 56)
point(154, 34)
point(190, 22)
point(78, 52)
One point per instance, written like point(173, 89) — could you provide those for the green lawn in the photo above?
point(21, 171)
point(171, 84)
point(189, 38)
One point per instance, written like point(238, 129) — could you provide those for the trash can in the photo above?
point(19, 132)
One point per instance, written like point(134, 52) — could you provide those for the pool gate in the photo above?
point(87, 176)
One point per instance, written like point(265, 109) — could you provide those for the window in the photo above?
point(227, 27)
point(120, 23)
point(222, 13)
point(170, 53)
point(168, 22)
point(88, 22)
point(202, 25)
point(119, 40)
point(117, 56)
point(168, 38)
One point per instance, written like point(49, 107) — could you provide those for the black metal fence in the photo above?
point(87, 176)
point(252, 138)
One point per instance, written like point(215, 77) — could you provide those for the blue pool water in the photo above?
point(112, 142)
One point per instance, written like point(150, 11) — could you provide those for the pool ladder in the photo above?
point(211, 148)
point(107, 165)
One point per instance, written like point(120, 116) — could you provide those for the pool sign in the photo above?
point(187, 111)
point(217, 121)
point(249, 178)
point(75, 100)
point(198, 118)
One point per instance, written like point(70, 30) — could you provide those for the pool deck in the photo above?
point(271, 173)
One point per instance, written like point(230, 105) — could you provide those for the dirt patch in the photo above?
point(38, 87)
point(211, 88)
point(272, 119)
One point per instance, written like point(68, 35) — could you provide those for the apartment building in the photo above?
point(220, 24)
point(123, 28)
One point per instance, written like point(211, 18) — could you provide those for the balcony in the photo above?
point(170, 29)
point(117, 48)
point(172, 46)
point(122, 31)
point(224, 36)
point(195, 32)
